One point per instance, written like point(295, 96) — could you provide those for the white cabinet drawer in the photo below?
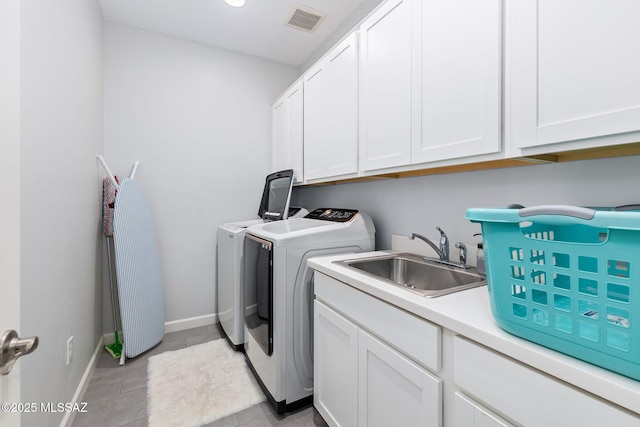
point(412, 335)
point(467, 413)
point(528, 396)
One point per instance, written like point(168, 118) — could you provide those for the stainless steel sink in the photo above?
point(417, 274)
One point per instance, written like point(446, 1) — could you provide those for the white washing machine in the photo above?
point(278, 311)
point(274, 203)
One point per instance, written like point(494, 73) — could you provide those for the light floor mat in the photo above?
point(198, 385)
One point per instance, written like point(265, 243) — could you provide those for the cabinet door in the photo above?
point(527, 396)
point(287, 132)
point(316, 86)
point(392, 390)
point(342, 143)
point(295, 120)
point(572, 71)
point(335, 368)
point(467, 413)
point(460, 59)
point(280, 134)
point(386, 86)
point(331, 113)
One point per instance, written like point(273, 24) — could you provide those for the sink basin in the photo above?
point(416, 274)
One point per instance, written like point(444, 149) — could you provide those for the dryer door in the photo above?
point(258, 290)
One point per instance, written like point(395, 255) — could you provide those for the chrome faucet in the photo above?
point(443, 250)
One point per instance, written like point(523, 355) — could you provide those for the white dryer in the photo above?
point(230, 240)
point(278, 311)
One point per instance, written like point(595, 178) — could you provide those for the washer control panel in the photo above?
point(333, 214)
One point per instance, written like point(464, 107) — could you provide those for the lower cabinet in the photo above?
point(467, 413)
point(335, 367)
point(522, 394)
point(360, 381)
point(377, 365)
point(392, 390)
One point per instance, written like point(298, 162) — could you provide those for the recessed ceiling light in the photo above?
point(235, 3)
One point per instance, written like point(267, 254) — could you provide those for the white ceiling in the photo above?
point(256, 29)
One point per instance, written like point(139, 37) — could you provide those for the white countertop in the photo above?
point(468, 313)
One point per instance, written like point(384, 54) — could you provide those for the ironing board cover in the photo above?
point(137, 270)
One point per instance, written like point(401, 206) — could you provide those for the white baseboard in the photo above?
point(69, 416)
point(190, 323)
point(173, 326)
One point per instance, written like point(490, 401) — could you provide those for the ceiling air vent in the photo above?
point(305, 18)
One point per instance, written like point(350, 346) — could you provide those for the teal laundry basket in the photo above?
point(567, 278)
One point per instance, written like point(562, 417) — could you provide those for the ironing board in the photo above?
point(137, 270)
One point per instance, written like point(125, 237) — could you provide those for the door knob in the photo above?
point(12, 347)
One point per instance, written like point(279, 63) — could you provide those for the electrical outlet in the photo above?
point(69, 350)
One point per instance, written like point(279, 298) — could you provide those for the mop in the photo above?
point(109, 197)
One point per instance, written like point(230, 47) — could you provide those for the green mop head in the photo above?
point(115, 349)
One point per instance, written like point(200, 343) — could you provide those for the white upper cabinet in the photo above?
point(429, 83)
point(331, 113)
point(460, 58)
point(573, 73)
point(342, 157)
point(386, 86)
point(287, 132)
point(315, 121)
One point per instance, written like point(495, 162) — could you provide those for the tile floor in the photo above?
point(117, 395)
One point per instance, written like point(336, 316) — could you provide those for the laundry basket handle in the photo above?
point(565, 210)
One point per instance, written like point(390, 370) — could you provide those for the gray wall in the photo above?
point(198, 118)
point(61, 108)
point(419, 204)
